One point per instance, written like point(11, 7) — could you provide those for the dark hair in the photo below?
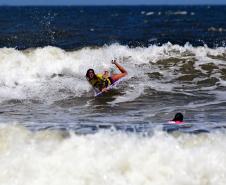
point(87, 73)
point(178, 117)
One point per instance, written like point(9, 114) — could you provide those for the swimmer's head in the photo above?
point(178, 117)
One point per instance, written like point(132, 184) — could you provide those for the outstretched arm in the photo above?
point(123, 73)
point(122, 69)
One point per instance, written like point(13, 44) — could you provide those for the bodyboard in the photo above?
point(108, 88)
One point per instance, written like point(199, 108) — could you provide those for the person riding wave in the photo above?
point(100, 82)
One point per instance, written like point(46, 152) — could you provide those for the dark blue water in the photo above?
point(79, 26)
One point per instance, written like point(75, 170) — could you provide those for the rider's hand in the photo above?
point(113, 61)
point(104, 90)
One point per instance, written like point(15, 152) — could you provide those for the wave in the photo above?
point(177, 13)
point(167, 13)
point(51, 73)
point(213, 29)
point(50, 157)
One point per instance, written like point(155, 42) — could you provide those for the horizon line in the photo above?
point(120, 5)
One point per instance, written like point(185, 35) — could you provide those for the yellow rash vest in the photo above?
point(100, 82)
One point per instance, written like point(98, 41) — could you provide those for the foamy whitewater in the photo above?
point(56, 158)
point(53, 130)
point(43, 73)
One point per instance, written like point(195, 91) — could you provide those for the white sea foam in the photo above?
point(110, 158)
point(213, 29)
point(52, 73)
point(180, 13)
point(142, 12)
point(177, 12)
point(130, 95)
point(150, 13)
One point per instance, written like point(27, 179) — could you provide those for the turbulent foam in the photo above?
point(51, 73)
point(110, 158)
point(177, 13)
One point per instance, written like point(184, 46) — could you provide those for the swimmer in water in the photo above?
point(178, 119)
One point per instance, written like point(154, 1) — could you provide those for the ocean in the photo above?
point(54, 131)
